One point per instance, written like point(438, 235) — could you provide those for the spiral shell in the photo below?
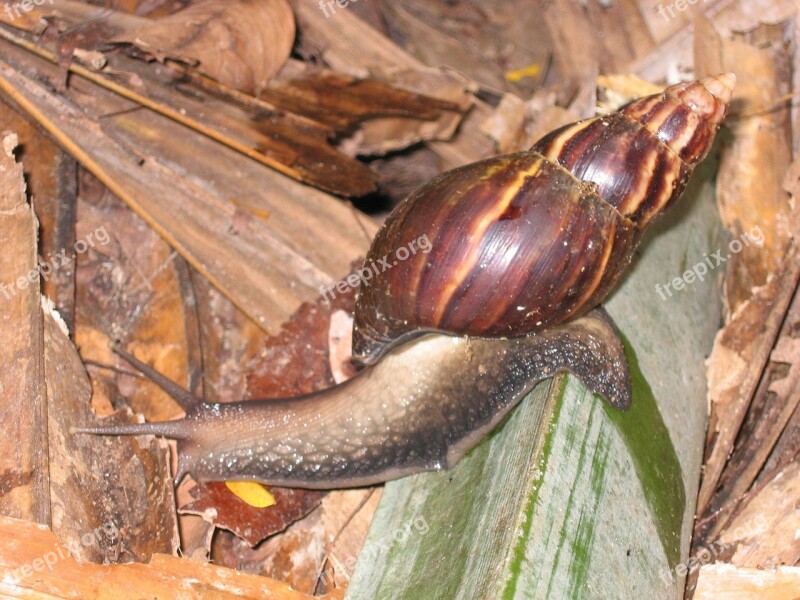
point(525, 241)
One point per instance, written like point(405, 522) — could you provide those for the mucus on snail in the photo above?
point(524, 248)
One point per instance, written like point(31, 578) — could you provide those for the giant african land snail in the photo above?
point(523, 247)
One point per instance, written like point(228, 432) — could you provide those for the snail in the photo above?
point(523, 249)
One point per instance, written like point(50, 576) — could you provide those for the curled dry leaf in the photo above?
point(240, 43)
point(431, 89)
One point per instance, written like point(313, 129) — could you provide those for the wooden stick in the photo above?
point(39, 567)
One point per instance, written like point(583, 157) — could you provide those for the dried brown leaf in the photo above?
point(128, 289)
point(240, 43)
point(291, 254)
point(293, 556)
point(327, 96)
point(381, 135)
point(346, 517)
point(763, 533)
point(407, 107)
point(215, 502)
point(72, 15)
point(757, 451)
point(750, 190)
point(740, 352)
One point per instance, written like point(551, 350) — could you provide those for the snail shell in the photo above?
point(520, 246)
point(525, 241)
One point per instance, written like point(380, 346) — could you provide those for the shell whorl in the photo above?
point(661, 138)
point(525, 241)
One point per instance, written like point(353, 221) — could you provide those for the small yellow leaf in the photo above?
point(520, 74)
point(251, 492)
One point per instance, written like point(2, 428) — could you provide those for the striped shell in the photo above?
point(524, 241)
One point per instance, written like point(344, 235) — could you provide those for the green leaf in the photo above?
point(570, 498)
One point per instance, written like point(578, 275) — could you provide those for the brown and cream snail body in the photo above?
point(523, 247)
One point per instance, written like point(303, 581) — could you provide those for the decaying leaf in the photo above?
point(129, 290)
point(257, 258)
point(750, 189)
point(741, 351)
point(768, 417)
point(295, 361)
point(84, 26)
point(240, 43)
point(381, 135)
point(346, 514)
point(356, 48)
point(749, 484)
point(218, 504)
point(763, 533)
point(293, 145)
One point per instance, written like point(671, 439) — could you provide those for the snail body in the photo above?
point(523, 248)
point(404, 415)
